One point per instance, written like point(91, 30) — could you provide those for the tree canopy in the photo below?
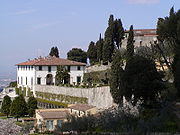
point(62, 75)
point(31, 105)
point(130, 44)
point(6, 104)
point(92, 53)
point(54, 52)
point(18, 107)
point(77, 54)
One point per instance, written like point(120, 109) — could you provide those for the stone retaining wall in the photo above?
point(99, 97)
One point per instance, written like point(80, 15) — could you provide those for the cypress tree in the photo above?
point(99, 46)
point(92, 53)
point(115, 83)
point(6, 104)
point(31, 105)
point(107, 53)
point(130, 44)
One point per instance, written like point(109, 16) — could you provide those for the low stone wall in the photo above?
point(99, 97)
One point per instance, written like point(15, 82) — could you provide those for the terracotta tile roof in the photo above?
point(51, 61)
point(81, 107)
point(54, 114)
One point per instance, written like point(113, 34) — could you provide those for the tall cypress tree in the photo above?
point(92, 53)
point(107, 52)
point(118, 32)
point(99, 46)
point(130, 44)
point(115, 83)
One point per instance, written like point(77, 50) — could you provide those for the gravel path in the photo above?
point(7, 127)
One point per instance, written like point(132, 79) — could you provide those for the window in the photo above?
point(21, 80)
point(38, 80)
point(49, 68)
point(18, 80)
point(49, 124)
point(31, 67)
point(26, 80)
point(59, 122)
point(40, 68)
point(31, 80)
point(78, 79)
point(78, 68)
point(69, 68)
point(79, 113)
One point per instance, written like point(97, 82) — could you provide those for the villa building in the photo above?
point(42, 71)
point(142, 37)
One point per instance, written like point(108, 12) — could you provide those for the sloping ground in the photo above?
point(9, 128)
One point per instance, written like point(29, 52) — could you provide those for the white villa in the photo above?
point(42, 71)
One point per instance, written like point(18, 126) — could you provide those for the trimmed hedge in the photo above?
point(62, 98)
point(52, 102)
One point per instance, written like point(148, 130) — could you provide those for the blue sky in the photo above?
point(29, 28)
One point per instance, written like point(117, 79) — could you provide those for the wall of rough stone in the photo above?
point(99, 97)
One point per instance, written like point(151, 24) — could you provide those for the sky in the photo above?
point(29, 28)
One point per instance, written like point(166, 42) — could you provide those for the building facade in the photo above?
point(42, 71)
point(142, 37)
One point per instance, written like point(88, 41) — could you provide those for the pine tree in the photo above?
point(77, 54)
point(54, 52)
point(92, 53)
point(99, 46)
point(115, 83)
point(31, 105)
point(6, 104)
point(18, 107)
point(130, 44)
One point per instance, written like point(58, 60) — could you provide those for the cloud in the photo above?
point(45, 25)
point(143, 1)
point(23, 12)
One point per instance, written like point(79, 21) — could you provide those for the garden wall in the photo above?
point(99, 97)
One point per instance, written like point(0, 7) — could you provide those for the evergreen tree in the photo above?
point(115, 83)
point(18, 107)
point(92, 53)
point(6, 104)
point(62, 75)
point(141, 81)
point(168, 29)
point(77, 54)
point(99, 46)
point(118, 33)
point(130, 44)
point(107, 53)
point(31, 105)
point(54, 52)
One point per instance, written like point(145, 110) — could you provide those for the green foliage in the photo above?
point(13, 84)
point(62, 75)
point(99, 46)
point(77, 54)
point(62, 98)
point(18, 107)
point(142, 81)
point(98, 77)
point(52, 102)
point(116, 73)
point(107, 50)
point(92, 53)
point(168, 29)
point(6, 104)
point(130, 44)
point(17, 91)
point(145, 51)
point(54, 52)
point(31, 105)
